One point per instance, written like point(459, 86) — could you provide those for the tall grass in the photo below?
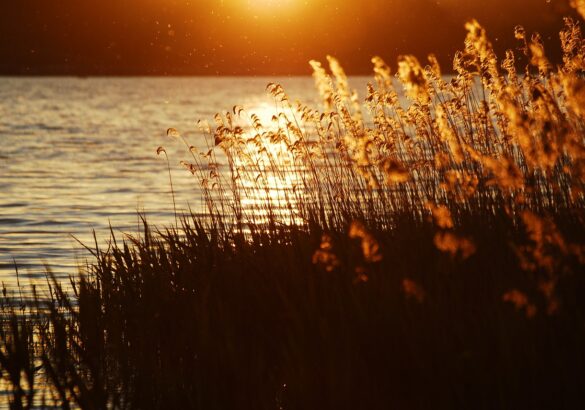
point(490, 137)
point(422, 248)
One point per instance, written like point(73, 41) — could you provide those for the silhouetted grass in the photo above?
point(185, 320)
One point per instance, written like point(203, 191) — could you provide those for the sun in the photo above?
point(270, 5)
point(269, 10)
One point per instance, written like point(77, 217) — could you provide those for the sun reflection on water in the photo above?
point(271, 181)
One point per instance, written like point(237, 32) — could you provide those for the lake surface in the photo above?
point(80, 154)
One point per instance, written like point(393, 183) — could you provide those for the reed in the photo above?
point(421, 248)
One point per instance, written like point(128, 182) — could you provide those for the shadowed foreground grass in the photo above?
point(189, 321)
point(369, 256)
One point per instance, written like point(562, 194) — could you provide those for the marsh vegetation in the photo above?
point(421, 248)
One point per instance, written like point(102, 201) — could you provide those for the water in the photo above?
point(80, 154)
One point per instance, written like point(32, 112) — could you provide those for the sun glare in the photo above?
point(270, 3)
point(271, 6)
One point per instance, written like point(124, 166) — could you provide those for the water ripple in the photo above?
point(79, 155)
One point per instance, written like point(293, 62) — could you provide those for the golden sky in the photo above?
point(257, 37)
